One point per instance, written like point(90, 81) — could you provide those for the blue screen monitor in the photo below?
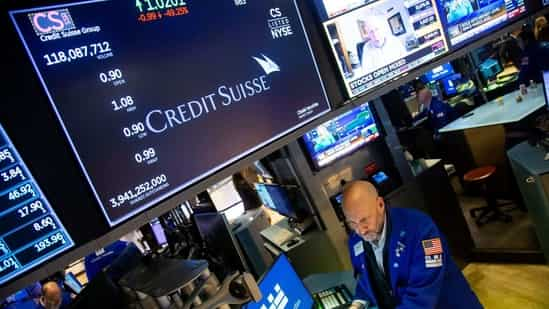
point(439, 72)
point(74, 285)
point(490, 69)
point(341, 136)
point(276, 198)
point(451, 83)
point(281, 287)
point(468, 20)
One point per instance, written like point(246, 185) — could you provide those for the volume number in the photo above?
point(110, 76)
point(30, 209)
point(21, 192)
point(134, 129)
point(122, 103)
point(145, 155)
point(44, 223)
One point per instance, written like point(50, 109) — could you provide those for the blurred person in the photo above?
point(539, 23)
point(379, 47)
point(52, 296)
point(439, 113)
point(534, 58)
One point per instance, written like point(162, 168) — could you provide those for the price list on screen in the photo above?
point(148, 116)
point(30, 232)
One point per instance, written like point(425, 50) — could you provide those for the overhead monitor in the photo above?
point(30, 231)
point(276, 198)
point(341, 136)
point(374, 42)
point(158, 232)
point(154, 96)
point(281, 287)
point(468, 20)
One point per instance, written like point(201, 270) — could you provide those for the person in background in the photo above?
point(244, 184)
point(533, 59)
point(543, 36)
point(379, 47)
point(439, 113)
point(538, 25)
point(53, 297)
point(399, 256)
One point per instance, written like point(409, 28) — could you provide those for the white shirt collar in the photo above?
point(381, 241)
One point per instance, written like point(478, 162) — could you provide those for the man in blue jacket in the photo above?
point(400, 257)
point(439, 113)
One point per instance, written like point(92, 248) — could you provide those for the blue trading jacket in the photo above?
point(421, 275)
point(440, 114)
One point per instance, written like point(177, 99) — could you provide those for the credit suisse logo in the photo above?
point(51, 21)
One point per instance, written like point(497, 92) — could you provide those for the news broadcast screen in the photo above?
point(341, 136)
point(154, 96)
point(377, 41)
point(467, 20)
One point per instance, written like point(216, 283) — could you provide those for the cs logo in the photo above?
point(275, 12)
point(51, 21)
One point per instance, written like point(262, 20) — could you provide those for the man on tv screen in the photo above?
point(380, 46)
point(400, 257)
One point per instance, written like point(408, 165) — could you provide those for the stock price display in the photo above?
point(30, 232)
point(151, 98)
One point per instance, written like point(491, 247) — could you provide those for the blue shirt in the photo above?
point(419, 268)
point(439, 114)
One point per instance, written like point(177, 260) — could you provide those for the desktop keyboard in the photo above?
point(335, 297)
point(278, 235)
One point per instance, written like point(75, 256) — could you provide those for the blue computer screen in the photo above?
point(282, 288)
point(275, 197)
point(468, 20)
point(450, 84)
point(341, 136)
point(438, 72)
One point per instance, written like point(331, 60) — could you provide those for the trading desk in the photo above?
point(493, 113)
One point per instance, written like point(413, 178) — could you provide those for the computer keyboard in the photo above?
point(334, 297)
point(278, 235)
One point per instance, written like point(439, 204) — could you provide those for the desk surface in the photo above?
point(492, 114)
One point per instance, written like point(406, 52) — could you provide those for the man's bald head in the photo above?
point(51, 295)
point(364, 209)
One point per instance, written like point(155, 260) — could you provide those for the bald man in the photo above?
point(399, 256)
point(380, 47)
point(52, 296)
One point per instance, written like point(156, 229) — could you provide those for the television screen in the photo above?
point(30, 231)
point(376, 41)
point(466, 20)
point(154, 96)
point(341, 136)
point(438, 73)
point(281, 287)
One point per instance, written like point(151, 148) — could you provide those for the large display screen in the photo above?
point(30, 231)
point(156, 95)
point(281, 287)
point(341, 136)
point(466, 20)
point(377, 41)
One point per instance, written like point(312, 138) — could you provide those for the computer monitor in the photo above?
point(158, 232)
point(216, 233)
point(72, 283)
point(281, 287)
point(276, 198)
point(451, 83)
point(438, 73)
point(545, 75)
point(490, 68)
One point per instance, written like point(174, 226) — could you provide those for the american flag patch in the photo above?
point(432, 246)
